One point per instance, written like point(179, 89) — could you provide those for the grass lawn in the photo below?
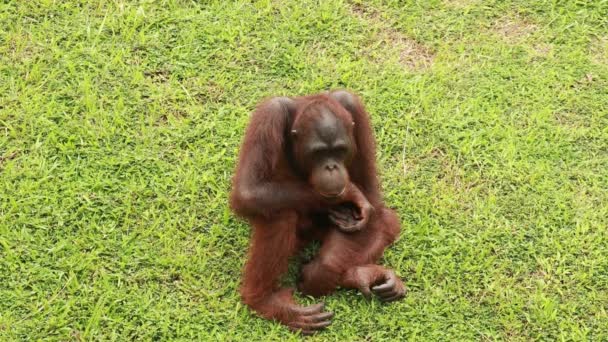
point(120, 124)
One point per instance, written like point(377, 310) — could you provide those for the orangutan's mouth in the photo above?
point(333, 195)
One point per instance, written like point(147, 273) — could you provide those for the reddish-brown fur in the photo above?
point(270, 192)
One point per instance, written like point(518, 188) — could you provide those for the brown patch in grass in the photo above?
point(8, 157)
point(447, 171)
point(460, 3)
point(587, 79)
point(209, 92)
point(571, 120)
point(361, 10)
point(599, 50)
point(158, 76)
point(450, 174)
point(514, 29)
point(386, 41)
point(453, 176)
point(21, 48)
point(174, 113)
point(543, 49)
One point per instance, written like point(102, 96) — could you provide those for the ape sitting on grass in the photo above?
point(307, 172)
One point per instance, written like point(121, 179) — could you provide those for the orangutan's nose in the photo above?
point(331, 166)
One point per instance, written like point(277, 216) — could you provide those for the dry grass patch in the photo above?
point(542, 49)
point(571, 120)
point(460, 3)
point(515, 29)
point(599, 50)
point(385, 41)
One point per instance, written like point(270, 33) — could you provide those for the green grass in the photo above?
point(120, 124)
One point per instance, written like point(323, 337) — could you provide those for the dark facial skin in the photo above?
point(324, 150)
